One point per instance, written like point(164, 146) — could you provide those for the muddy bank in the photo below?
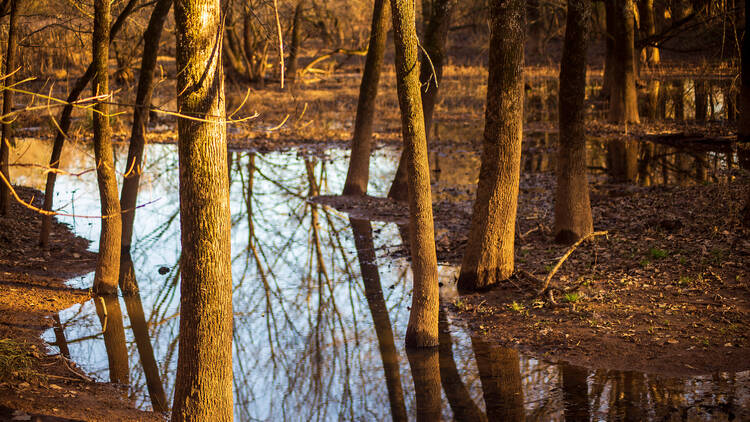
point(666, 291)
point(32, 284)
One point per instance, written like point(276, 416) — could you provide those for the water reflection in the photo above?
point(321, 308)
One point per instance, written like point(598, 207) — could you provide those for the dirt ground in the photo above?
point(34, 382)
point(667, 290)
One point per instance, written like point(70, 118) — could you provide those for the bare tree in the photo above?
point(7, 136)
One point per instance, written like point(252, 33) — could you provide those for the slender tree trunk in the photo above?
point(203, 386)
point(623, 103)
point(572, 206)
point(134, 165)
point(650, 56)
point(609, 56)
point(64, 125)
point(7, 135)
point(678, 99)
point(743, 126)
point(291, 69)
point(425, 371)
point(422, 330)
point(430, 76)
point(500, 374)
point(376, 302)
point(701, 100)
point(359, 163)
point(488, 257)
point(108, 259)
point(110, 315)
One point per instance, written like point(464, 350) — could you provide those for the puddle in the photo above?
point(319, 325)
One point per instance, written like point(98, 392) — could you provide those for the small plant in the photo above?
point(516, 307)
point(645, 262)
point(459, 304)
point(656, 253)
point(572, 297)
point(685, 281)
point(548, 268)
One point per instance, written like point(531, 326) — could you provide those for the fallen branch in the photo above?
point(310, 66)
point(545, 287)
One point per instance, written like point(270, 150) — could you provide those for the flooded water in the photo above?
point(321, 305)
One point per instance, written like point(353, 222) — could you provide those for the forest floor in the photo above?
point(667, 290)
point(34, 382)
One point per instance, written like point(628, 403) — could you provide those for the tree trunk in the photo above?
point(291, 69)
point(7, 135)
point(64, 125)
point(650, 55)
point(678, 99)
point(376, 302)
point(488, 257)
point(434, 44)
point(422, 330)
point(609, 55)
point(743, 126)
point(623, 102)
point(133, 167)
point(572, 206)
point(500, 375)
point(108, 259)
point(425, 371)
point(359, 163)
point(203, 385)
point(701, 100)
point(110, 315)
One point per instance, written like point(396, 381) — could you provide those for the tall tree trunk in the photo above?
point(7, 135)
point(678, 99)
point(108, 259)
point(203, 386)
point(650, 55)
point(425, 371)
point(623, 102)
point(134, 165)
point(609, 55)
point(376, 302)
point(110, 315)
point(359, 162)
point(701, 100)
point(434, 45)
point(422, 330)
point(64, 125)
point(488, 257)
point(743, 126)
point(500, 375)
point(291, 69)
point(572, 206)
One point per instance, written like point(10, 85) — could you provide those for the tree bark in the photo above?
point(7, 135)
point(701, 100)
point(650, 56)
point(623, 103)
point(422, 330)
point(134, 164)
point(572, 206)
point(359, 162)
point(291, 69)
point(376, 302)
point(743, 126)
point(488, 257)
point(64, 125)
point(434, 44)
point(203, 386)
point(108, 259)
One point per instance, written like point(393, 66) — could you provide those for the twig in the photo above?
point(551, 274)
